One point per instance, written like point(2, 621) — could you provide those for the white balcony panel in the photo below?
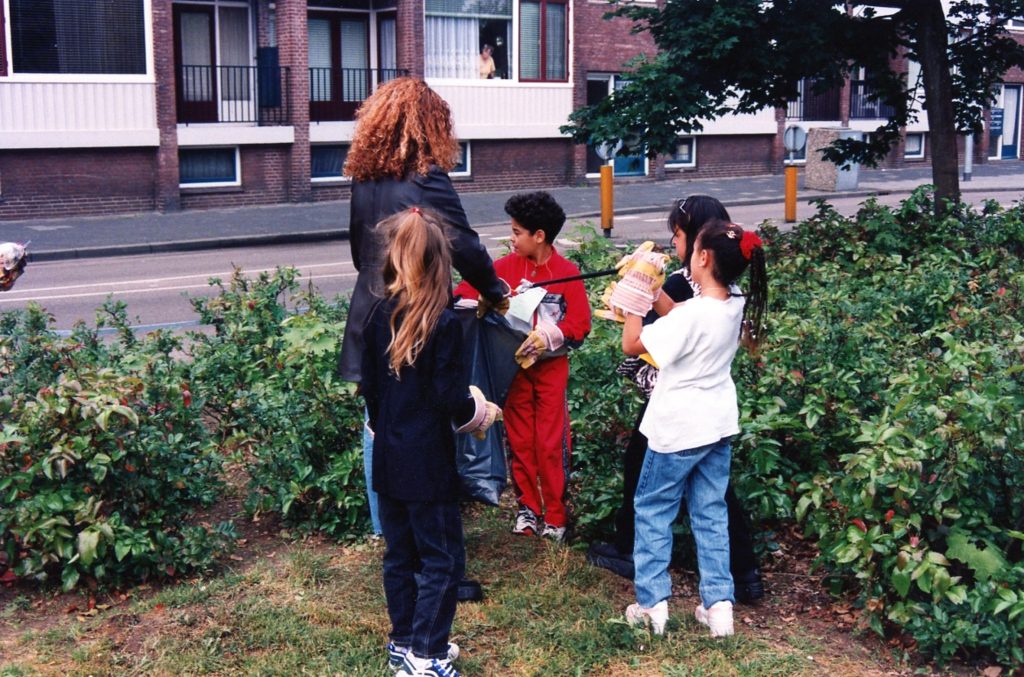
point(761, 122)
point(77, 114)
point(505, 110)
point(233, 135)
point(331, 132)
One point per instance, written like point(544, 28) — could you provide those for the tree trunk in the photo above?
point(930, 35)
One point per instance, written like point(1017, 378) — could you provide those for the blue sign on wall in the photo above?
point(996, 124)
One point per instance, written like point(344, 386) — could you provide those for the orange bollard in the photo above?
point(607, 201)
point(791, 193)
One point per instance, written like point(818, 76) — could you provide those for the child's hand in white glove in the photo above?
point(545, 336)
point(484, 416)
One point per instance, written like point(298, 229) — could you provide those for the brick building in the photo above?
point(135, 105)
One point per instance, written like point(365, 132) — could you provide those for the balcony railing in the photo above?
point(252, 94)
point(814, 106)
point(335, 93)
point(864, 104)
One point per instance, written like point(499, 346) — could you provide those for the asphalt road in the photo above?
point(156, 287)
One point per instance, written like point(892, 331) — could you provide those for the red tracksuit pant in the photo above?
point(537, 424)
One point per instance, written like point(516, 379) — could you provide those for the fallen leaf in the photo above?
point(992, 671)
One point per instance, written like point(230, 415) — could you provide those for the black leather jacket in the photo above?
point(373, 201)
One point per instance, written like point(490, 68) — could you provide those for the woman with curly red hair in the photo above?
point(403, 147)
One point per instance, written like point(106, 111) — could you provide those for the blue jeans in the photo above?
point(371, 495)
point(701, 475)
point(423, 564)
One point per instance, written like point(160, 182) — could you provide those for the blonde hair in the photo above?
point(404, 126)
point(418, 276)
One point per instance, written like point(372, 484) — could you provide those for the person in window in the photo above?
point(403, 147)
point(487, 68)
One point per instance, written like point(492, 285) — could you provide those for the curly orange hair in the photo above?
point(403, 127)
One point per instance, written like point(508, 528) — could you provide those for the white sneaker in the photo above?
point(556, 534)
point(396, 654)
point(526, 522)
point(657, 616)
point(718, 618)
point(414, 666)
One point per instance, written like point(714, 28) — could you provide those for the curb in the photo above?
point(342, 233)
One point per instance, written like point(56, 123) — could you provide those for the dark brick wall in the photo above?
point(265, 171)
point(740, 155)
point(599, 45)
point(65, 182)
point(293, 51)
point(497, 165)
point(410, 40)
point(168, 197)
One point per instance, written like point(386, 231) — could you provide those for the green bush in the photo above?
point(102, 456)
point(267, 376)
point(885, 411)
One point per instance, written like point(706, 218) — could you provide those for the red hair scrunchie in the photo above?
point(748, 242)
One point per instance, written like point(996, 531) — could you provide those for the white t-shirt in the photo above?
point(694, 400)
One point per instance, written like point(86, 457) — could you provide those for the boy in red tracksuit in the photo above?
point(536, 411)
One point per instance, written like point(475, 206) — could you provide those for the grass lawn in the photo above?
point(288, 606)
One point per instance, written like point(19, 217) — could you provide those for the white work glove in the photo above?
point(643, 273)
point(608, 312)
point(12, 264)
point(546, 336)
point(484, 416)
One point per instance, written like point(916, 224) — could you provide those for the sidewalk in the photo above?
point(151, 232)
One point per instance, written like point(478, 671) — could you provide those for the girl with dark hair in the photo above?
point(418, 396)
point(684, 221)
point(691, 417)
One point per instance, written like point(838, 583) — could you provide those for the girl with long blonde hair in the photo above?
point(416, 385)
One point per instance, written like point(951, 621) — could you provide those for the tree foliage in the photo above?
point(722, 57)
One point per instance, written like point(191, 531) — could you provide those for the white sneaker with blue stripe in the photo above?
point(397, 654)
point(414, 666)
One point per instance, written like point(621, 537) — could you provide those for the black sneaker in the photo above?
point(749, 586)
point(607, 556)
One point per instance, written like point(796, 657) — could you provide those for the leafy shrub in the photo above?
point(885, 412)
point(102, 456)
point(267, 376)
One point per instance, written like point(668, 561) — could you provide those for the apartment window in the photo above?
point(70, 36)
point(462, 167)
point(914, 147)
point(685, 154)
point(208, 167)
point(327, 161)
point(1017, 23)
point(543, 40)
point(456, 32)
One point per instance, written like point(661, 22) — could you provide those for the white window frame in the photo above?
point(214, 184)
point(467, 157)
point(147, 77)
point(920, 154)
point(676, 164)
point(341, 178)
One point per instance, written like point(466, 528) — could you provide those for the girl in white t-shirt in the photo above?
point(692, 416)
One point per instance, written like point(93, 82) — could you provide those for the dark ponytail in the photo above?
point(733, 251)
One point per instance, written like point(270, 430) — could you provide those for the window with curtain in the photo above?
point(70, 36)
point(233, 25)
point(387, 47)
point(543, 40)
point(319, 59)
point(327, 161)
point(456, 32)
point(199, 166)
point(355, 60)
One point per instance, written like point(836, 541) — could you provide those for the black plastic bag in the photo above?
point(490, 345)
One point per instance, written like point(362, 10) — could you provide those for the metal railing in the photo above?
point(814, 106)
point(864, 104)
point(254, 94)
point(335, 93)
